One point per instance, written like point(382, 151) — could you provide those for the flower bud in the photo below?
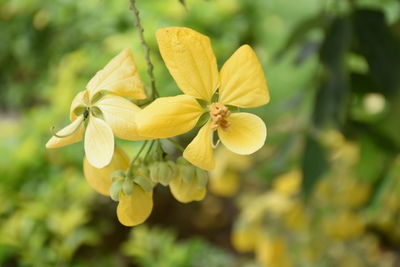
point(127, 186)
point(201, 178)
point(115, 189)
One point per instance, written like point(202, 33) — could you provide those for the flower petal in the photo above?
point(99, 142)
point(134, 209)
point(243, 83)
point(56, 142)
point(184, 191)
point(100, 179)
point(80, 100)
point(120, 114)
point(169, 116)
point(119, 76)
point(245, 135)
point(200, 151)
point(190, 60)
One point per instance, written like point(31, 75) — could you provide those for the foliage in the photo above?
point(332, 68)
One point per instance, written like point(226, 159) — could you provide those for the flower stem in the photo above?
point(150, 67)
point(176, 144)
point(137, 156)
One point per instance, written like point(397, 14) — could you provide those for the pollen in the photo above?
point(219, 113)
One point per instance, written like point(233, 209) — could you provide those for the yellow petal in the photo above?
point(190, 60)
point(119, 76)
point(56, 142)
point(186, 191)
point(169, 116)
point(245, 135)
point(120, 114)
point(243, 82)
point(200, 151)
point(80, 100)
point(99, 142)
point(134, 209)
point(100, 179)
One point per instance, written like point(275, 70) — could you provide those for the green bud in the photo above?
point(201, 177)
point(164, 173)
point(118, 174)
point(115, 189)
point(187, 173)
point(127, 186)
point(154, 172)
point(182, 161)
point(144, 183)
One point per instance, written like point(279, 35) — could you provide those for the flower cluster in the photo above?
point(211, 101)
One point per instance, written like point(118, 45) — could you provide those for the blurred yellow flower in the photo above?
point(240, 83)
point(105, 110)
point(272, 252)
point(132, 209)
point(245, 237)
point(224, 178)
point(288, 183)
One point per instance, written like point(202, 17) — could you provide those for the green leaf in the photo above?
point(314, 165)
point(331, 100)
point(299, 33)
point(380, 48)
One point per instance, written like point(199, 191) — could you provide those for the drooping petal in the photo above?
point(100, 179)
point(80, 100)
point(190, 60)
point(134, 209)
point(99, 142)
point(185, 191)
point(245, 135)
point(77, 125)
point(119, 76)
point(169, 116)
point(120, 114)
point(243, 83)
point(200, 151)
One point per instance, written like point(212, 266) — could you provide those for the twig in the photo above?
point(146, 48)
point(176, 144)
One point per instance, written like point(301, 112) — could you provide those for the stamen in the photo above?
point(218, 114)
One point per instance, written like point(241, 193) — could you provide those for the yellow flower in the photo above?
point(240, 83)
point(132, 209)
point(104, 109)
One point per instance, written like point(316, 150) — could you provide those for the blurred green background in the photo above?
point(324, 191)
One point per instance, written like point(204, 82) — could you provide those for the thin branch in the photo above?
point(176, 144)
point(146, 48)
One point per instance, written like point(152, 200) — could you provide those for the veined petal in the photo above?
point(134, 209)
point(119, 76)
point(200, 151)
point(186, 191)
point(99, 142)
point(245, 135)
point(190, 60)
point(169, 116)
point(119, 113)
point(56, 142)
point(243, 83)
point(100, 179)
point(80, 100)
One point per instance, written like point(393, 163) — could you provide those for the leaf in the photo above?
point(331, 100)
point(380, 48)
point(299, 33)
point(314, 165)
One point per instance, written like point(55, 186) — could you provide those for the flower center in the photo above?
point(218, 114)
